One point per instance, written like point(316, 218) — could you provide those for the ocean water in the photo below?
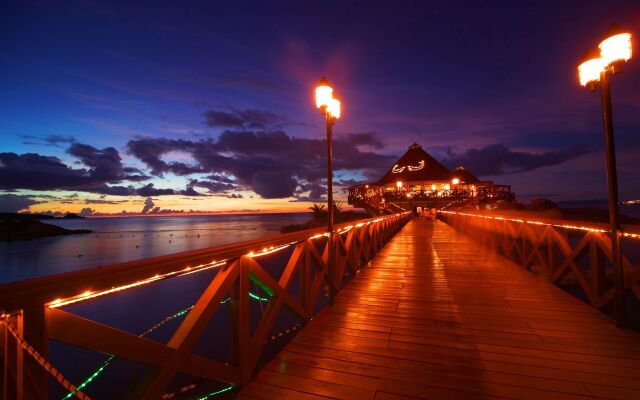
point(122, 239)
point(631, 211)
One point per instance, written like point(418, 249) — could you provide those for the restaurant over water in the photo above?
point(418, 181)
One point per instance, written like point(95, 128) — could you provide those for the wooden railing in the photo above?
point(568, 253)
point(34, 307)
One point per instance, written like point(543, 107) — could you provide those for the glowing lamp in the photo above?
point(324, 94)
point(433, 187)
point(455, 181)
point(399, 184)
point(333, 109)
point(589, 71)
point(447, 186)
point(616, 46)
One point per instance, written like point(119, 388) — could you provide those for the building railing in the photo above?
point(378, 197)
point(34, 308)
point(570, 254)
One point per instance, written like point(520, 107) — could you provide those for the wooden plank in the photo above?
point(437, 315)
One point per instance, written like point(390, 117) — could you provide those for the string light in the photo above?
point(91, 295)
point(87, 295)
point(564, 226)
point(227, 389)
point(417, 167)
point(397, 169)
point(179, 314)
point(188, 270)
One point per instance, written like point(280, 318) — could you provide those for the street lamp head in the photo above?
point(590, 68)
point(455, 181)
point(399, 184)
point(615, 48)
point(333, 109)
point(324, 93)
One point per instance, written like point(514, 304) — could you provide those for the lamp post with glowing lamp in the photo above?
point(330, 108)
point(598, 68)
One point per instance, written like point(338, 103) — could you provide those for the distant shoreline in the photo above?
point(28, 227)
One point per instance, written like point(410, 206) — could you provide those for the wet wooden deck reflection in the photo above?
point(437, 316)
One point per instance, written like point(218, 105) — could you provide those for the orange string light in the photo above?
point(87, 295)
point(564, 226)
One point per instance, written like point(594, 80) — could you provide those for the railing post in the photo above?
point(240, 315)
point(33, 382)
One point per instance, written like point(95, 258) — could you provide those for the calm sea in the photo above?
point(128, 238)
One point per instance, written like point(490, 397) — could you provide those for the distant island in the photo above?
point(15, 226)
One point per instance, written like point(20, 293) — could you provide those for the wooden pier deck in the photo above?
point(438, 316)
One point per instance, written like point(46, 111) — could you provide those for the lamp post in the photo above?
point(614, 50)
point(330, 108)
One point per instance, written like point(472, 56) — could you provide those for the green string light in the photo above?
point(205, 397)
point(179, 314)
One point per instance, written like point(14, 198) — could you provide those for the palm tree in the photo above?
point(337, 211)
point(319, 211)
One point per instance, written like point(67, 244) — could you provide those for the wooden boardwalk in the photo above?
point(437, 316)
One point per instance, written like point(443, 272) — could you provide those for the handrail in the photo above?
point(48, 288)
point(35, 305)
point(544, 246)
point(631, 231)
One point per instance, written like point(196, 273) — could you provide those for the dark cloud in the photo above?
point(103, 201)
point(219, 178)
point(498, 159)
point(212, 186)
point(247, 119)
point(86, 212)
point(50, 140)
point(149, 150)
point(150, 190)
point(99, 168)
point(14, 203)
point(271, 163)
point(148, 205)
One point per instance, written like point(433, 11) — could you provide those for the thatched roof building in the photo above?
point(416, 165)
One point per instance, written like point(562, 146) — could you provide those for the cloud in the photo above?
point(247, 119)
point(10, 203)
point(148, 205)
point(150, 190)
point(50, 140)
point(269, 162)
point(103, 201)
point(497, 159)
point(100, 168)
point(212, 186)
point(86, 212)
point(105, 165)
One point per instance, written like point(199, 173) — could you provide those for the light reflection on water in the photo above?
point(128, 238)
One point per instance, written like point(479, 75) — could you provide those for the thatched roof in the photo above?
point(414, 166)
point(464, 175)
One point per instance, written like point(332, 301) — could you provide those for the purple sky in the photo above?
point(208, 105)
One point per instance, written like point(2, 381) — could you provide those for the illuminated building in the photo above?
point(418, 181)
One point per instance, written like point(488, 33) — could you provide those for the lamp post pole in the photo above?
point(597, 68)
point(612, 182)
point(330, 107)
point(330, 243)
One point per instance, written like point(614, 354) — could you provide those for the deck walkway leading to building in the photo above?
point(438, 316)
